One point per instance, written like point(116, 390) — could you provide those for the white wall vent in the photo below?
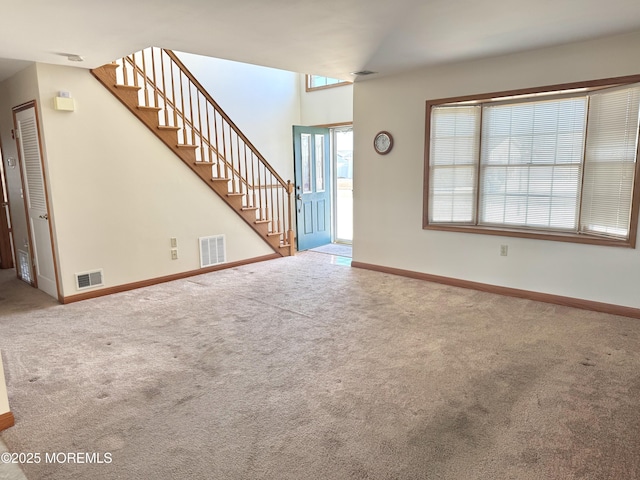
point(89, 279)
point(212, 250)
point(24, 268)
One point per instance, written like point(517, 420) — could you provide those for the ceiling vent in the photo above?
point(363, 73)
point(212, 250)
point(89, 279)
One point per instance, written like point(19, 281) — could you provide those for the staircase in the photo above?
point(157, 88)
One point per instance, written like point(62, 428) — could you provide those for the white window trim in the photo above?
point(309, 88)
point(527, 232)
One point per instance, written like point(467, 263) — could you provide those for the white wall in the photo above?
point(4, 399)
point(119, 194)
point(263, 102)
point(326, 106)
point(19, 89)
point(266, 102)
point(388, 189)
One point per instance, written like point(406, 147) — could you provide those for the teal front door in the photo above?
point(311, 149)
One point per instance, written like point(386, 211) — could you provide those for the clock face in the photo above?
point(383, 142)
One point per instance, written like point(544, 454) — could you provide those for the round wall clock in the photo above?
point(383, 143)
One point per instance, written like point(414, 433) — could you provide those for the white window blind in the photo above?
point(453, 163)
point(531, 163)
point(560, 161)
point(610, 161)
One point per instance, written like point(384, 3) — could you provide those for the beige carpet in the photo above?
point(302, 369)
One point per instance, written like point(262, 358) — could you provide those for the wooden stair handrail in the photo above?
point(175, 108)
point(244, 179)
point(186, 71)
point(216, 107)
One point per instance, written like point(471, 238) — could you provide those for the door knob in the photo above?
point(44, 217)
point(298, 197)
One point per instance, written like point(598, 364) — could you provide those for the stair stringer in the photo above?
point(128, 96)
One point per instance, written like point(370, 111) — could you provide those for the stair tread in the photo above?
point(232, 194)
point(111, 65)
point(262, 221)
point(168, 127)
point(146, 107)
point(218, 179)
point(273, 234)
point(246, 209)
point(184, 145)
point(127, 87)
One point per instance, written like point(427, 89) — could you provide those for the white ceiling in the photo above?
point(330, 37)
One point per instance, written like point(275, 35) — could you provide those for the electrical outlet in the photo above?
point(174, 254)
point(504, 250)
point(174, 242)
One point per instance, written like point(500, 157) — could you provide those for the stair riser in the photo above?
point(149, 117)
point(261, 228)
point(275, 241)
point(235, 202)
point(170, 137)
point(129, 97)
point(250, 215)
point(107, 73)
point(221, 188)
point(205, 171)
point(188, 155)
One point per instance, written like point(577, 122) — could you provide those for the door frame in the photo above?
point(334, 184)
point(6, 249)
point(20, 108)
point(313, 197)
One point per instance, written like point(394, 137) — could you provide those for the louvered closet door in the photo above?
point(26, 126)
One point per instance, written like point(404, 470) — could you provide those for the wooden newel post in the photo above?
point(290, 231)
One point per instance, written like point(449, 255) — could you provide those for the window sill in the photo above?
point(523, 233)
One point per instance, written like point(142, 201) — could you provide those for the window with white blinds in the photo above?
point(454, 163)
point(558, 162)
point(610, 162)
